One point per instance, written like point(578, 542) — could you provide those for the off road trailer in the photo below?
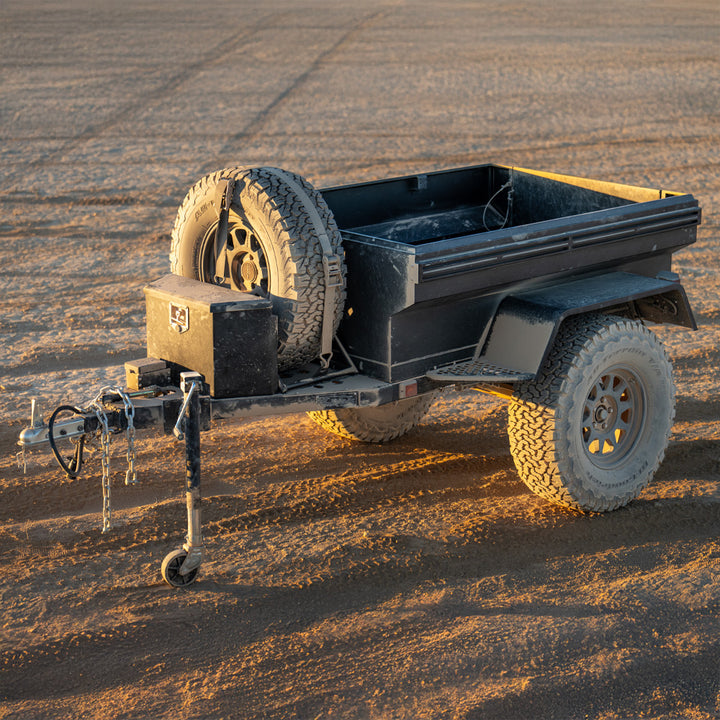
point(358, 303)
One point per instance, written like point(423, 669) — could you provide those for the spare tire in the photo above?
point(375, 424)
point(273, 247)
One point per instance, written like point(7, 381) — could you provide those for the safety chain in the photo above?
point(130, 474)
point(105, 462)
point(96, 405)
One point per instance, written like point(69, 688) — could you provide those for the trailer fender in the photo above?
point(526, 323)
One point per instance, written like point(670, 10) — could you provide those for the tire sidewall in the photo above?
point(628, 346)
point(190, 233)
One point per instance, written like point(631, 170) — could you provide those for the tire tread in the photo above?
point(376, 424)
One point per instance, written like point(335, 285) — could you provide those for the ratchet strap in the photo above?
point(332, 265)
point(223, 200)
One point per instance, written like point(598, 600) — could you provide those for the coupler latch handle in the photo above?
point(193, 381)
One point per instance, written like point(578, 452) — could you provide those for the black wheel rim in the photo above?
point(614, 414)
point(241, 263)
point(172, 572)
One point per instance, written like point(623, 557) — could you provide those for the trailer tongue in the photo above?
point(357, 304)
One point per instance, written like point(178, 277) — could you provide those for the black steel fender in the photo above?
point(526, 322)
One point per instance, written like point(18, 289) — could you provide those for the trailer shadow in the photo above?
point(396, 548)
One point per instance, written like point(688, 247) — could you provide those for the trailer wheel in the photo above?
point(591, 430)
point(170, 569)
point(273, 248)
point(375, 424)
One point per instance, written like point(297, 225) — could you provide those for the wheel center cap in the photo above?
point(249, 271)
point(605, 412)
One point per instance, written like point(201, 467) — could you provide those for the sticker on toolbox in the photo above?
point(179, 317)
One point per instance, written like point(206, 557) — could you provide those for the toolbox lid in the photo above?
point(213, 298)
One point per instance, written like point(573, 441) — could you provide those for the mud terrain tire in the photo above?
point(272, 248)
point(591, 430)
point(375, 424)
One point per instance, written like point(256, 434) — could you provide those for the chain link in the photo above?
point(130, 474)
point(105, 462)
point(96, 405)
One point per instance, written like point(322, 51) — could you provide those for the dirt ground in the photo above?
point(416, 579)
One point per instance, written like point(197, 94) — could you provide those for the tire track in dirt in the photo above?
point(312, 657)
point(68, 359)
point(81, 200)
point(307, 591)
point(87, 651)
point(423, 478)
point(253, 128)
point(700, 456)
point(345, 494)
point(690, 409)
point(351, 578)
point(170, 85)
point(141, 102)
point(597, 693)
point(507, 148)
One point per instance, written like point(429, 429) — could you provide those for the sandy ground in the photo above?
point(418, 579)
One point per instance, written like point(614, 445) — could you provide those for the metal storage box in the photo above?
point(227, 336)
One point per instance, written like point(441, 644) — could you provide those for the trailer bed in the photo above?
point(429, 257)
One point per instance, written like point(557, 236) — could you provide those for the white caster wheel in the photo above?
point(170, 569)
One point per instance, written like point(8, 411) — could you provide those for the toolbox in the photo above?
point(230, 338)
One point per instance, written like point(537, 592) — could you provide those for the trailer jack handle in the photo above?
point(181, 566)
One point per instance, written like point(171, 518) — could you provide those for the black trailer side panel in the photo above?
point(430, 257)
